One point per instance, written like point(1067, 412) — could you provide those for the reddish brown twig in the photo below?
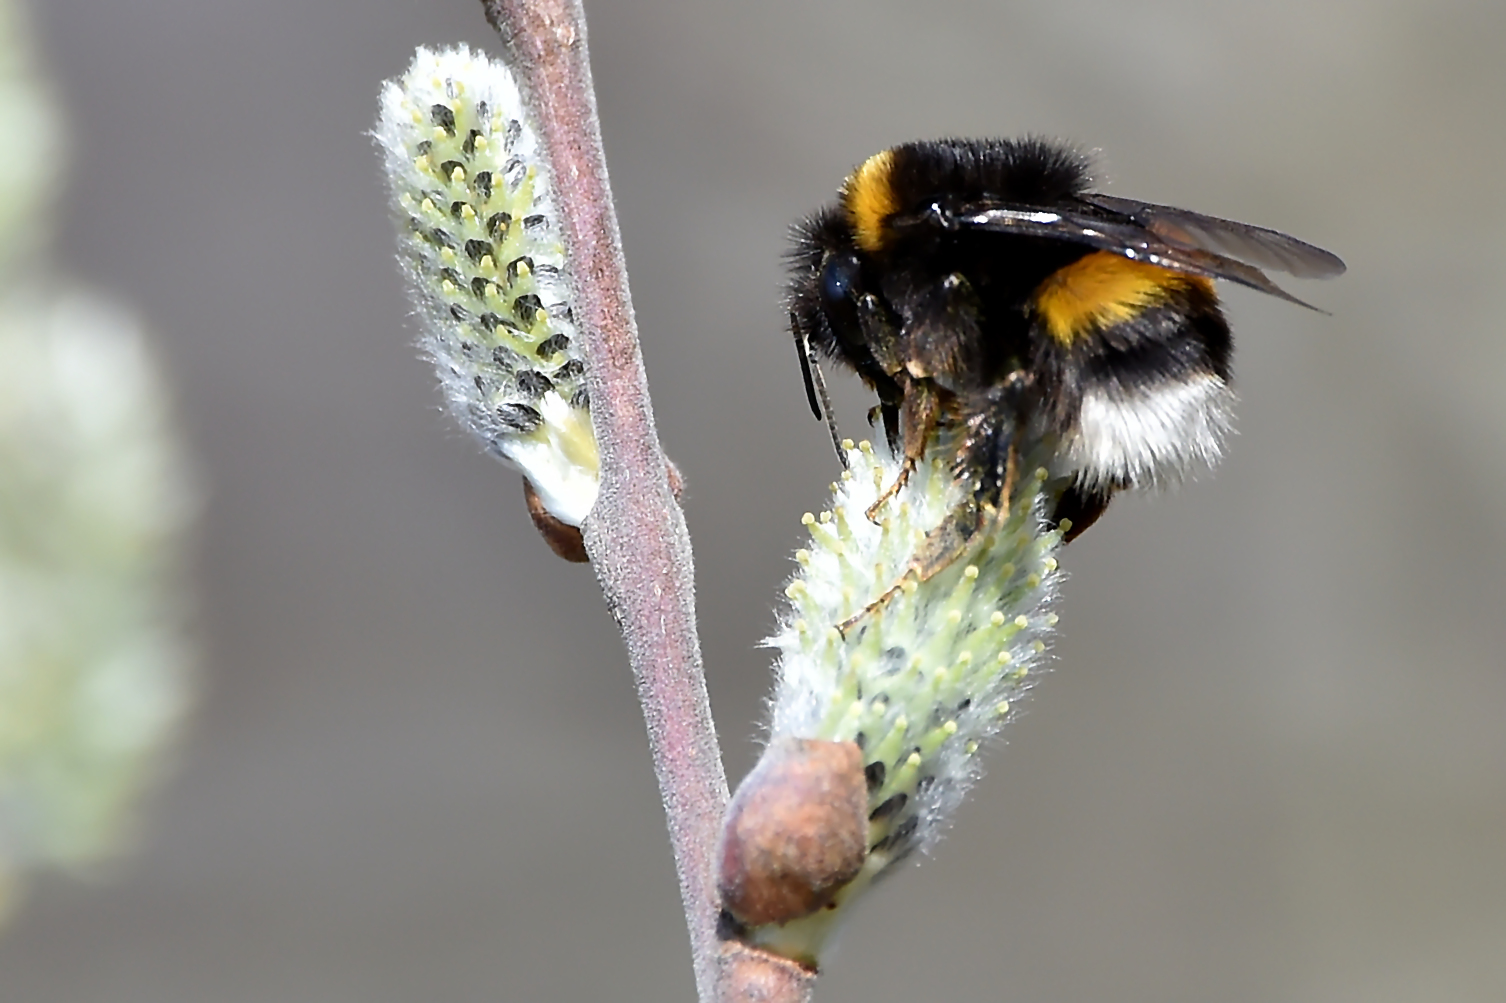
point(635, 535)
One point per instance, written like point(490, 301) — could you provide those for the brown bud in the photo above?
point(751, 974)
point(563, 538)
point(796, 831)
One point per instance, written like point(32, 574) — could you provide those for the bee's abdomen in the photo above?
point(1137, 358)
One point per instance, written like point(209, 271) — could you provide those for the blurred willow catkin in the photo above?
point(96, 500)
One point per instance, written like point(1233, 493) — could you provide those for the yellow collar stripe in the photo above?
point(868, 198)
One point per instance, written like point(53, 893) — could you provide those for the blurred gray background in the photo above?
point(1270, 763)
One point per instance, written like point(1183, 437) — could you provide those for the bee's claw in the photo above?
point(905, 469)
point(873, 607)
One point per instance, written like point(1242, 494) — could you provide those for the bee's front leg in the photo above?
point(987, 463)
point(920, 411)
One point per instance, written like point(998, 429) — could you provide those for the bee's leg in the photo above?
point(1082, 506)
point(890, 414)
point(886, 369)
point(887, 411)
point(919, 413)
point(988, 458)
point(883, 340)
point(941, 548)
point(996, 473)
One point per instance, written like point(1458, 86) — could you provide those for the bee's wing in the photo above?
point(1158, 235)
point(1253, 245)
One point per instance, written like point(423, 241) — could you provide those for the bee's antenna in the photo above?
point(815, 386)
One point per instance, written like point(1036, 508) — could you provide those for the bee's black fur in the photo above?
point(944, 276)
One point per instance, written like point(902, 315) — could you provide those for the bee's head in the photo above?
point(828, 273)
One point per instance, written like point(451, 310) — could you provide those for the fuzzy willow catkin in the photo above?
point(479, 242)
point(920, 682)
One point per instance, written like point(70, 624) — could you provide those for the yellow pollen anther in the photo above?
point(1021, 621)
point(523, 270)
point(447, 255)
point(1032, 580)
point(1004, 658)
point(1049, 564)
point(427, 205)
point(996, 619)
point(421, 163)
point(825, 518)
point(1039, 647)
point(458, 174)
point(802, 556)
point(467, 213)
point(447, 287)
point(1002, 708)
point(909, 585)
point(970, 572)
point(807, 519)
point(953, 617)
point(847, 445)
point(950, 728)
point(866, 446)
point(913, 760)
point(486, 264)
point(1051, 619)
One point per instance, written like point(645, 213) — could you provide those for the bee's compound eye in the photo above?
point(839, 280)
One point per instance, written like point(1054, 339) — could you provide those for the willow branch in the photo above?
point(635, 535)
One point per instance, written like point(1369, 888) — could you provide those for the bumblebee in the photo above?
point(981, 285)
